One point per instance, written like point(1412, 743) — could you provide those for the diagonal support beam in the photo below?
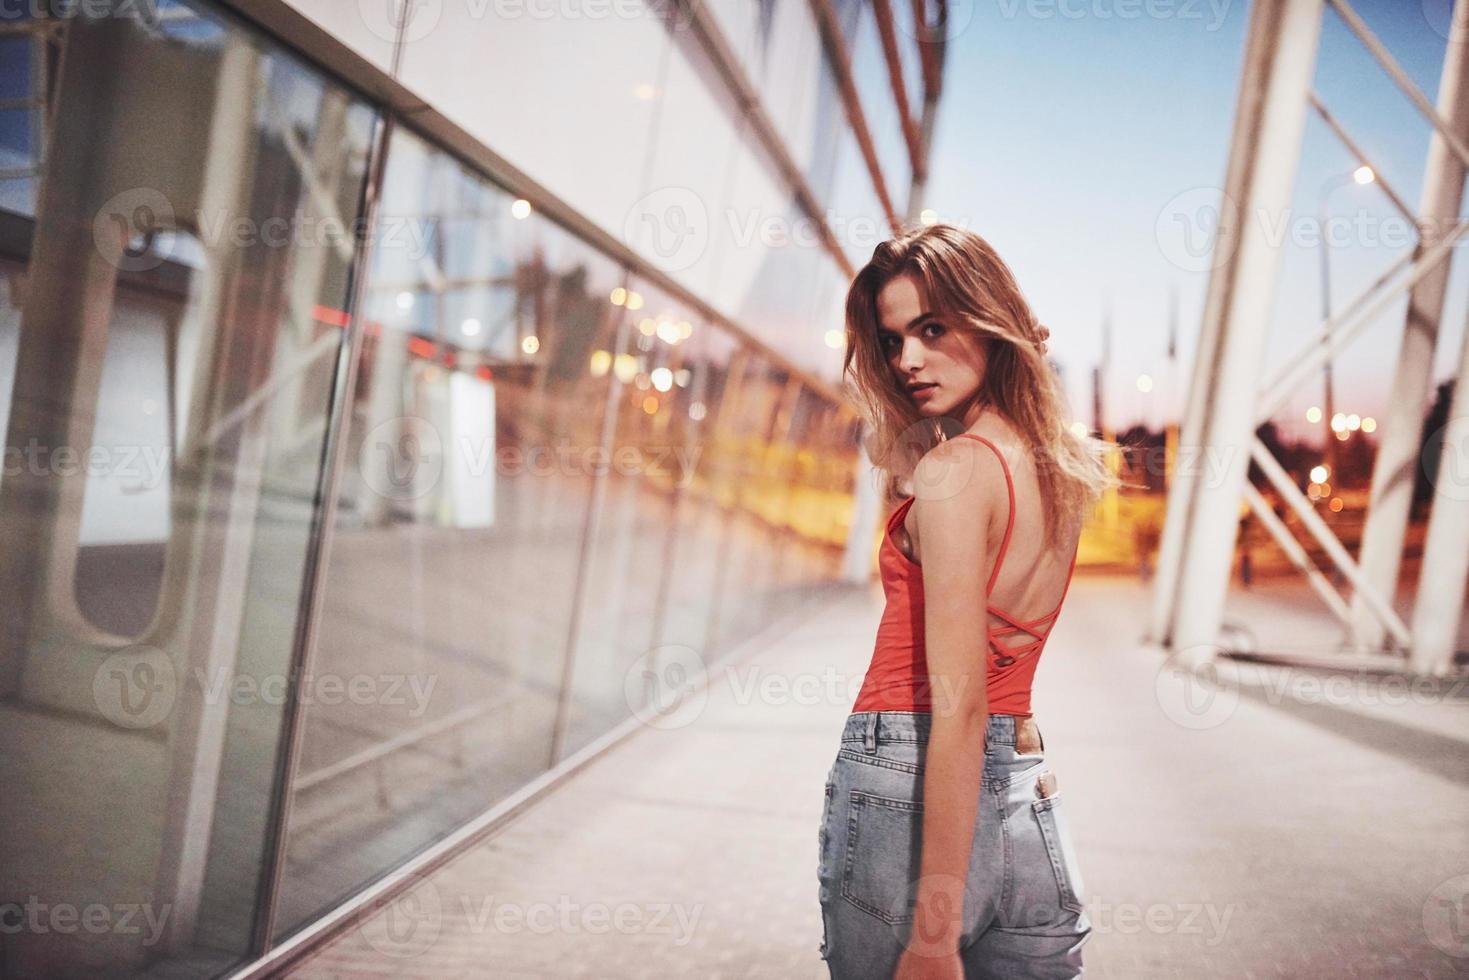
point(1297, 502)
point(1297, 554)
point(1355, 149)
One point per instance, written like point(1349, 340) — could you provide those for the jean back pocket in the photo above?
point(880, 871)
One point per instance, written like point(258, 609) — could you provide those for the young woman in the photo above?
point(944, 848)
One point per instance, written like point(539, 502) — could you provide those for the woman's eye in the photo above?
point(937, 328)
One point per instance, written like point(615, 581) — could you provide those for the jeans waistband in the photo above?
point(875, 727)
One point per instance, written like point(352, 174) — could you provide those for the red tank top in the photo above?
point(897, 678)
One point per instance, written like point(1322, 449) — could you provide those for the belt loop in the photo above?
point(869, 734)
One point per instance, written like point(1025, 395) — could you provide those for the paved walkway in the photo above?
point(1276, 823)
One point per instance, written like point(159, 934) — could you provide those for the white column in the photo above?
point(1401, 426)
point(1440, 600)
point(1270, 120)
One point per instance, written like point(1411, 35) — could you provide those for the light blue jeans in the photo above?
point(1023, 911)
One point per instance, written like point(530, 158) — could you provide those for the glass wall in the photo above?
point(456, 490)
point(170, 326)
point(460, 524)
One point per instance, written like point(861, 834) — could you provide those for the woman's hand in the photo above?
point(1045, 333)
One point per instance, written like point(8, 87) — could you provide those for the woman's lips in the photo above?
point(922, 391)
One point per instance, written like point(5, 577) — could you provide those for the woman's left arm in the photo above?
point(956, 501)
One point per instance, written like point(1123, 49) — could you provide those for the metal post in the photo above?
point(1269, 126)
point(1391, 493)
point(1440, 600)
point(1262, 85)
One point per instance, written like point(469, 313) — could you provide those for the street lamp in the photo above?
point(1360, 176)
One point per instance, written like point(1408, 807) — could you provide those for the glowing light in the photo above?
point(645, 91)
point(1369, 424)
point(834, 339)
point(682, 376)
point(1335, 505)
point(1364, 175)
point(662, 378)
point(619, 296)
point(1354, 421)
point(928, 216)
point(624, 366)
point(530, 344)
point(668, 331)
point(1313, 414)
point(634, 300)
point(470, 327)
point(520, 209)
point(405, 301)
point(646, 326)
point(1144, 383)
point(1079, 429)
point(601, 361)
point(1319, 474)
point(1338, 422)
point(697, 411)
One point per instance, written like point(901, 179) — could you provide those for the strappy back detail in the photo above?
point(1005, 654)
point(897, 677)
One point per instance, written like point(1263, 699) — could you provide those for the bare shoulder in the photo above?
point(960, 478)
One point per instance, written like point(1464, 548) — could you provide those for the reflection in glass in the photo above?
point(453, 564)
point(166, 374)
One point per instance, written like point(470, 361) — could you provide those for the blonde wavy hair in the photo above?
point(963, 280)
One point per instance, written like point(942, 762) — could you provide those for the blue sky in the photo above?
point(1067, 128)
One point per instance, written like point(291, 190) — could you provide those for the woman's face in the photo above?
point(921, 348)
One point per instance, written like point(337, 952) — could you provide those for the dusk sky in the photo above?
point(1067, 132)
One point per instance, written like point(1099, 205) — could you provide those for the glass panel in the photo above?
point(454, 558)
point(633, 517)
point(167, 381)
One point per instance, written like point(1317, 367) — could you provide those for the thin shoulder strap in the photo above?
point(1010, 522)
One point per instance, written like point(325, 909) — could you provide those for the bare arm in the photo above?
point(956, 502)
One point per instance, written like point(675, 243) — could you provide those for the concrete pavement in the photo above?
point(1270, 822)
